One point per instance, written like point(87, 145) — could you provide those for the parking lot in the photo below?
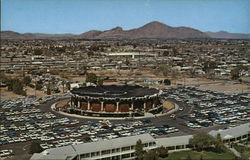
point(26, 120)
point(23, 121)
point(210, 108)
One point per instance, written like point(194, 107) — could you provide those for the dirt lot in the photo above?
point(228, 87)
point(168, 105)
point(216, 85)
point(6, 95)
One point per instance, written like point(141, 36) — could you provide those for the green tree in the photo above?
point(27, 80)
point(91, 77)
point(209, 65)
point(189, 157)
point(167, 82)
point(49, 89)
point(219, 146)
point(151, 155)
point(3, 77)
point(68, 86)
point(139, 150)
point(201, 157)
point(16, 86)
point(94, 48)
point(35, 148)
point(39, 85)
point(61, 49)
point(100, 82)
point(63, 83)
point(165, 69)
point(162, 152)
point(38, 51)
point(201, 141)
point(175, 51)
point(90, 53)
point(235, 74)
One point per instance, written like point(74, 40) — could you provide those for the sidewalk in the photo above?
point(235, 152)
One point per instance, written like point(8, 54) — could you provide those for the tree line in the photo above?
point(16, 85)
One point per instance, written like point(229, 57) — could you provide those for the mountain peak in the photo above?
point(118, 28)
point(155, 24)
point(152, 30)
point(222, 32)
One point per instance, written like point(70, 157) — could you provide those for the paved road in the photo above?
point(179, 123)
point(157, 121)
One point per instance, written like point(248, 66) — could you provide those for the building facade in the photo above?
point(124, 147)
point(114, 101)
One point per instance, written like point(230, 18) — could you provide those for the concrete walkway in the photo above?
point(235, 152)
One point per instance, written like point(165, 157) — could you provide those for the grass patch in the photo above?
point(194, 155)
point(243, 150)
point(240, 149)
point(246, 141)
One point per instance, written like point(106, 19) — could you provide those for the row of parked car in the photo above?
point(203, 98)
point(23, 121)
point(222, 115)
point(6, 153)
point(211, 107)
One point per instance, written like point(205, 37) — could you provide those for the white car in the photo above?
point(172, 116)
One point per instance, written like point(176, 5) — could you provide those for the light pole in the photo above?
point(35, 87)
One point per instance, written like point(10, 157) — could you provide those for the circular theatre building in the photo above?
point(114, 101)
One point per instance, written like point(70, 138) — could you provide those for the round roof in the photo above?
point(114, 91)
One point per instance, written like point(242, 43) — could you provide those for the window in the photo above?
point(180, 147)
point(92, 154)
point(95, 154)
point(125, 148)
point(146, 145)
point(106, 158)
point(189, 146)
point(171, 148)
point(132, 147)
point(85, 155)
point(125, 156)
point(115, 158)
point(105, 152)
point(75, 158)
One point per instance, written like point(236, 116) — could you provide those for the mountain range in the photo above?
point(152, 30)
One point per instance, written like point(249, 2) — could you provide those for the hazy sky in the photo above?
point(78, 16)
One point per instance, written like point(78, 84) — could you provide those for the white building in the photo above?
point(124, 147)
point(115, 149)
point(132, 55)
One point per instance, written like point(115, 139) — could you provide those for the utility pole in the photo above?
point(35, 87)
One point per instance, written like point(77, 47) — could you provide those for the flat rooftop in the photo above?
point(113, 91)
